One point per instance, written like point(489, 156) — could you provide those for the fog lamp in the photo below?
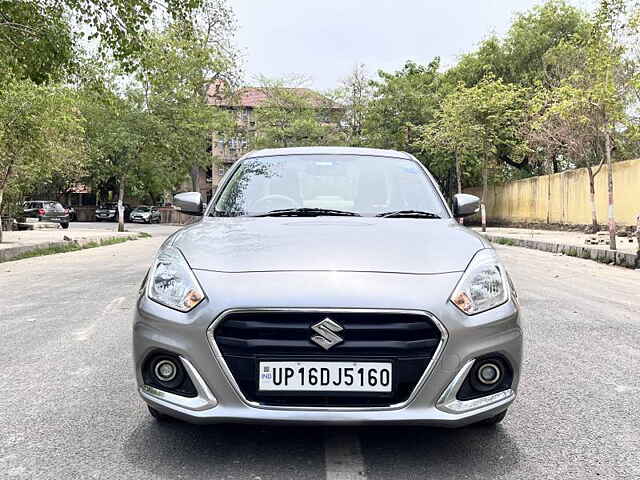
point(165, 370)
point(489, 373)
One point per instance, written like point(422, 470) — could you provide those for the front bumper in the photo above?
point(219, 400)
point(61, 219)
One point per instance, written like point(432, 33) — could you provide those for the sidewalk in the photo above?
point(568, 243)
point(18, 243)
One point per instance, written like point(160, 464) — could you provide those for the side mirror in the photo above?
point(189, 203)
point(465, 205)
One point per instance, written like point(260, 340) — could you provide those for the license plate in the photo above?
point(325, 376)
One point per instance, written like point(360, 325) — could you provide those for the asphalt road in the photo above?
point(69, 408)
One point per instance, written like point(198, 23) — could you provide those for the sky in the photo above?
point(324, 39)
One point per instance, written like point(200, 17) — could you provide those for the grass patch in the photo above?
point(73, 247)
point(115, 240)
point(504, 241)
point(144, 235)
point(40, 252)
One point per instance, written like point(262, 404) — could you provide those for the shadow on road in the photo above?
point(415, 452)
point(173, 449)
point(168, 450)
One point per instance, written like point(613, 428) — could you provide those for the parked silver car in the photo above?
point(144, 214)
point(328, 286)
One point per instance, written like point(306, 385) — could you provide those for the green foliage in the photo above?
point(504, 241)
point(293, 117)
point(402, 101)
point(176, 67)
point(151, 135)
point(354, 94)
point(36, 41)
point(476, 123)
point(520, 56)
point(40, 134)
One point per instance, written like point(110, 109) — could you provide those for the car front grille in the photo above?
point(407, 339)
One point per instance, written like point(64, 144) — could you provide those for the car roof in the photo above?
point(375, 152)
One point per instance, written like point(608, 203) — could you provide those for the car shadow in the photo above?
point(421, 452)
point(173, 449)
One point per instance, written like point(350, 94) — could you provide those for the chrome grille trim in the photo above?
point(444, 336)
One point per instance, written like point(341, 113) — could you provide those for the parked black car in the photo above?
point(47, 211)
point(109, 212)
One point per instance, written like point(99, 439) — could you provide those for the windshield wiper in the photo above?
point(408, 214)
point(307, 212)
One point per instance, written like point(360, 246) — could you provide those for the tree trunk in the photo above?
point(458, 174)
point(612, 221)
point(638, 239)
point(592, 199)
point(121, 206)
point(1, 197)
point(485, 181)
point(194, 178)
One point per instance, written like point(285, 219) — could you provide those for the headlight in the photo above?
point(172, 283)
point(483, 285)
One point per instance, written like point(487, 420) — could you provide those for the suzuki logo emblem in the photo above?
point(326, 330)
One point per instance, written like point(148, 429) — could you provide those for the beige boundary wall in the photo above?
point(563, 198)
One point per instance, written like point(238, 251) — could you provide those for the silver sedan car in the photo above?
point(328, 285)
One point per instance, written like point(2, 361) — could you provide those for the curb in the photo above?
point(13, 252)
point(612, 257)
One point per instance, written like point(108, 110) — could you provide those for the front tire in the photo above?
point(492, 421)
point(159, 417)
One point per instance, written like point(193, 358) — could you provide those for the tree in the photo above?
point(355, 94)
point(519, 56)
point(492, 111)
point(36, 41)
point(295, 116)
point(562, 124)
point(450, 136)
point(403, 101)
point(40, 134)
point(147, 137)
point(176, 67)
point(39, 35)
point(588, 109)
point(116, 131)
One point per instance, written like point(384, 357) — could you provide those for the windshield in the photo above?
point(365, 185)
point(142, 209)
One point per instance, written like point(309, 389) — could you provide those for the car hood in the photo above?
point(244, 244)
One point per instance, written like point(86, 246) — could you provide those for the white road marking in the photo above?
point(342, 455)
point(87, 332)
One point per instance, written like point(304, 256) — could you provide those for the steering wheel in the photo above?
point(273, 202)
